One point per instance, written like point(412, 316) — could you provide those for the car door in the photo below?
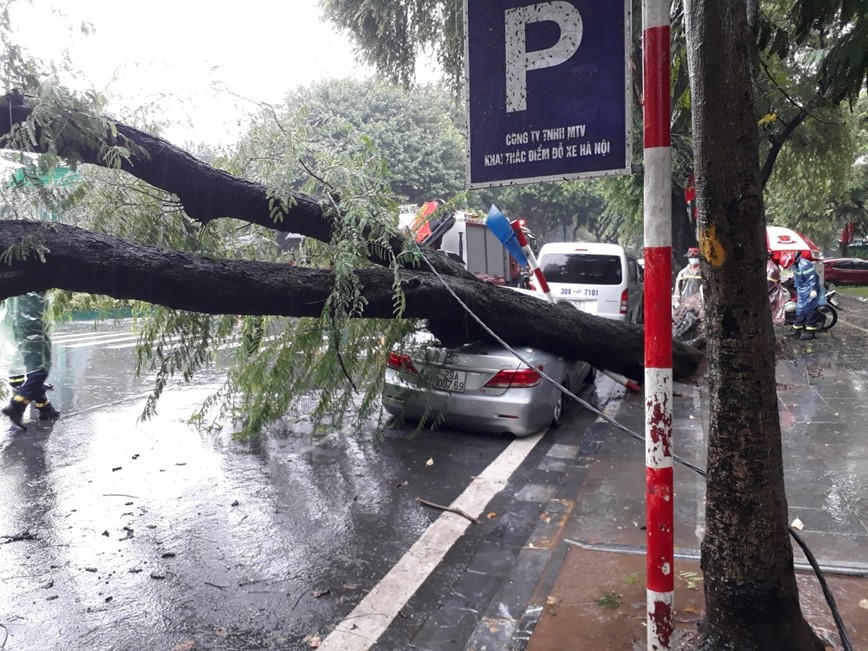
point(859, 272)
point(847, 272)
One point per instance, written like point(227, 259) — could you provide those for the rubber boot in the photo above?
point(15, 411)
point(47, 411)
point(795, 333)
point(810, 334)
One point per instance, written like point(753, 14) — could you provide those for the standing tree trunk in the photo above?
point(750, 586)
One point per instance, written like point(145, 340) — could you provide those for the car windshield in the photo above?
point(581, 268)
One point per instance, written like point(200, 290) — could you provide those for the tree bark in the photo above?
point(78, 260)
point(750, 588)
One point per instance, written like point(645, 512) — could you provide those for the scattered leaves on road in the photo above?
point(692, 579)
point(609, 599)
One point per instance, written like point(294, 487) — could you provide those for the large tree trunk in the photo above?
point(750, 586)
point(78, 260)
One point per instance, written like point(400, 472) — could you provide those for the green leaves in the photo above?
point(408, 138)
point(835, 31)
point(23, 251)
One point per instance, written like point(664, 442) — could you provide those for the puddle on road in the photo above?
point(150, 535)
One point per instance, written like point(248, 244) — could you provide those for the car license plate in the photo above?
point(589, 306)
point(451, 380)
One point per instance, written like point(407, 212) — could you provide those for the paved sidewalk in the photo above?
point(595, 598)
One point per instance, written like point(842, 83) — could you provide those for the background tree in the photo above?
point(391, 35)
point(809, 143)
point(563, 211)
point(415, 133)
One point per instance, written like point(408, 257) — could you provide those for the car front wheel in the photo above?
point(560, 406)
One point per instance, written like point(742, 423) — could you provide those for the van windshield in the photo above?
point(581, 268)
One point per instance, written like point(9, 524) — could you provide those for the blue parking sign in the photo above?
point(548, 90)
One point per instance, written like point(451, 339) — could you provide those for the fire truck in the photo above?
point(463, 237)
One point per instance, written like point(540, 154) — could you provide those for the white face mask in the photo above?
point(693, 261)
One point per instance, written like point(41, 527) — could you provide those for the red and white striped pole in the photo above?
point(658, 325)
point(531, 260)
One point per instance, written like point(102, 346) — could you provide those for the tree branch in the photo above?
point(205, 192)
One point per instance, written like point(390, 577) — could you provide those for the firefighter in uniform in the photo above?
point(689, 280)
point(807, 283)
point(24, 316)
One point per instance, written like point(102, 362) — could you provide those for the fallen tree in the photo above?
point(78, 260)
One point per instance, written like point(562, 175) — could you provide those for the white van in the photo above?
point(597, 278)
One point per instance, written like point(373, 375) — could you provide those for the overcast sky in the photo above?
point(190, 60)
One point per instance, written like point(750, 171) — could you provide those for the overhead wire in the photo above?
point(827, 592)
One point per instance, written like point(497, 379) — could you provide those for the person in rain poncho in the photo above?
point(807, 283)
point(689, 280)
point(24, 317)
point(688, 311)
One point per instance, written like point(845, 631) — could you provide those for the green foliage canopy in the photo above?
point(415, 133)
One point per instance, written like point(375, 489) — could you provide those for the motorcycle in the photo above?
point(688, 321)
point(827, 309)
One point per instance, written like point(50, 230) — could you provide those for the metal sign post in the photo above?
point(548, 90)
point(658, 326)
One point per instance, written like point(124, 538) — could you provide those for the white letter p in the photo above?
point(519, 60)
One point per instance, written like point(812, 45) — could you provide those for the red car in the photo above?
point(846, 271)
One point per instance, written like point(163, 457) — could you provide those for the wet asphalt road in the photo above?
point(117, 534)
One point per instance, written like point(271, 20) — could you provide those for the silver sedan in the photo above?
point(479, 386)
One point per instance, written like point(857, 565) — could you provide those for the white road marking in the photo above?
point(90, 336)
point(368, 620)
point(101, 342)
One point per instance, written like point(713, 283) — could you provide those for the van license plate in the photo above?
point(586, 306)
point(450, 380)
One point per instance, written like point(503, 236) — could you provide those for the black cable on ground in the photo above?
point(827, 593)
